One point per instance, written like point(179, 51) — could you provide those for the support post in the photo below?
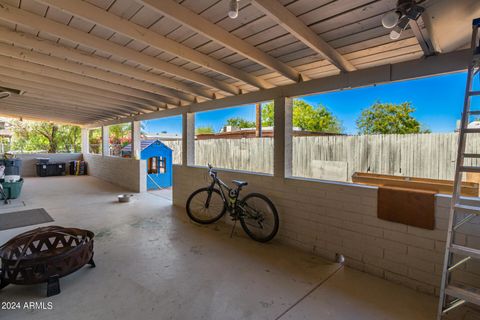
point(84, 141)
point(258, 120)
point(188, 139)
point(282, 133)
point(105, 141)
point(136, 142)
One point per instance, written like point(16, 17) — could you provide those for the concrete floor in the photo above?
point(152, 263)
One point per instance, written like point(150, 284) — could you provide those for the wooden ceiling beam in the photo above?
point(62, 103)
point(47, 110)
point(27, 70)
point(203, 26)
point(165, 95)
point(50, 47)
point(77, 79)
point(280, 14)
point(22, 78)
point(31, 89)
point(7, 114)
point(19, 16)
point(48, 84)
point(108, 20)
point(27, 114)
point(64, 109)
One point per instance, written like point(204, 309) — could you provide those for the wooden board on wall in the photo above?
point(469, 189)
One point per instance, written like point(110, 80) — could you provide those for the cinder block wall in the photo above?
point(326, 218)
point(29, 160)
point(124, 172)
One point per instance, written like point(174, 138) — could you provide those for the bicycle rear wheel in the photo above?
point(259, 218)
point(205, 206)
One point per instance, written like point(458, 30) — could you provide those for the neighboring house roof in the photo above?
point(161, 136)
point(144, 144)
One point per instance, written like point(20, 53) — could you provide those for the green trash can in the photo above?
point(12, 189)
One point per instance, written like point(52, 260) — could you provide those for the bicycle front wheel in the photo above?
point(205, 206)
point(259, 218)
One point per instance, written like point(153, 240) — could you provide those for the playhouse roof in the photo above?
point(144, 144)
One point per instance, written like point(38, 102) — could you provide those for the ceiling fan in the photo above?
point(398, 20)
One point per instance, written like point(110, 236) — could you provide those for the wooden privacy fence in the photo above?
point(338, 157)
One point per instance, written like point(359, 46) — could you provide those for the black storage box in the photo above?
point(42, 160)
point(78, 168)
point(51, 169)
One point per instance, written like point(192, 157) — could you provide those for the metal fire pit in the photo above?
point(45, 255)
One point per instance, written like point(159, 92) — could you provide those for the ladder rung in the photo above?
point(463, 221)
point(474, 112)
point(463, 294)
point(465, 251)
point(471, 130)
point(462, 208)
point(471, 155)
point(474, 93)
point(455, 304)
point(469, 169)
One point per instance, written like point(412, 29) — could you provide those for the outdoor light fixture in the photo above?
point(399, 19)
point(7, 92)
point(233, 9)
point(4, 94)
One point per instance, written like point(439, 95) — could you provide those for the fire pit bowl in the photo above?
point(44, 255)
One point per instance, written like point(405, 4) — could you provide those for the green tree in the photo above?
point(306, 117)
point(240, 123)
point(389, 118)
point(204, 130)
point(70, 137)
point(39, 136)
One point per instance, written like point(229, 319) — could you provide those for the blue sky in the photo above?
point(438, 102)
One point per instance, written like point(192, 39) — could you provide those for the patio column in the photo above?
point(105, 141)
point(188, 139)
point(84, 141)
point(282, 133)
point(136, 143)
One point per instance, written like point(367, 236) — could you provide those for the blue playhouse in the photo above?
point(159, 163)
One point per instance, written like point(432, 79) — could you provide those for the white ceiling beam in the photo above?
point(101, 17)
point(50, 47)
point(165, 95)
point(15, 15)
point(75, 78)
point(280, 14)
point(43, 90)
point(203, 26)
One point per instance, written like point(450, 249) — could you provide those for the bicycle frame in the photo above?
point(230, 202)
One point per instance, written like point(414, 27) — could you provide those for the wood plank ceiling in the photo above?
point(85, 61)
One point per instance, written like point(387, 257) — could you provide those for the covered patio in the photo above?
point(151, 260)
point(97, 63)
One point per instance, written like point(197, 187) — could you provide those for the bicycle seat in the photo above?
point(240, 183)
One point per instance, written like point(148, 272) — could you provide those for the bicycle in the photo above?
point(256, 213)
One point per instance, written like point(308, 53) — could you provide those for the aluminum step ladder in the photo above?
point(452, 296)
